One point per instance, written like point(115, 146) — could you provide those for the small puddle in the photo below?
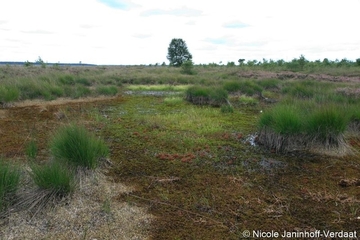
point(251, 139)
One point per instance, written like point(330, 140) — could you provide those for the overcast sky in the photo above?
point(139, 31)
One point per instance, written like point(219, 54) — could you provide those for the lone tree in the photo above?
point(178, 52)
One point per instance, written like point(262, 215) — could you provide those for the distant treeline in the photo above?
point(295, 64)
point(48, 64)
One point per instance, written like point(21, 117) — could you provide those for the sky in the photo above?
point(133, 32)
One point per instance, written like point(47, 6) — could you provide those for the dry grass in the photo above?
point(91, 213)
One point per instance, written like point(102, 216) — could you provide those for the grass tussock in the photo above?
point(206, 96)
point(107, 90)
point(303, 125)
point(76, 146)
point(9, 182)
point(9, 94)
point(55, 178)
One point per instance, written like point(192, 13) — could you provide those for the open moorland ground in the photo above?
point(177, 170)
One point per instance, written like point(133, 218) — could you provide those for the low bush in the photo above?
point(76, 146)
point(187, 67)
point(9, 182)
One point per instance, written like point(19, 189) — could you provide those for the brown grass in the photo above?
point(91, 213)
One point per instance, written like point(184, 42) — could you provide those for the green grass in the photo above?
point(305, 122)
point(173, 101)
point(247, 100)
point(227, 108)
point(9, 94)
point(327, 123)
point(248, 87)
point(9, 182)
point(269, 83)
point(107, 90)
point(283, 119)
point(66, 80)
point(199, 95)
point(157, 87)
point(54, 177)
point(75, 145)
point(232, 86)
point(31, 149)
point(83, 81)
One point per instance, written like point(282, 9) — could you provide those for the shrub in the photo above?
point(9, 181)
point(187, 67)
point(107, 90)
point(75, 145)
point(55, 178)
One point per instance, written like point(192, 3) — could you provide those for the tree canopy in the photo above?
point(178, 52)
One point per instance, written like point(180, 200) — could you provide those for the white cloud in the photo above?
point(179, 12)
point(139, 31)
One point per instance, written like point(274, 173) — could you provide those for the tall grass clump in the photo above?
point(9, 182)
point(76, 146)
point(304, 124)
point(326, 125)
point(269, 83)
point(281, 128)
point(354, 119)
point(9, 94)
point(107, 90)
point(206, 95)
point(232, 86)
point(54, 178)
point(250, 87)
point(31, 149)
